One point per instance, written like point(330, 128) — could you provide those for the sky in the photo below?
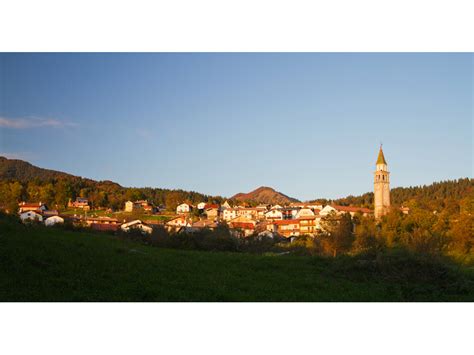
point(307, 124)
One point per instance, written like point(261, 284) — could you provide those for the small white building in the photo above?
point(201, 205)
point(304, 212)
point(326, 210)
point(274, 214)
point(177, 223)
point(51, 221)
point(184, 208)
point(31, 216)
point(228, 214)
point(128, 206)
point(136, 224)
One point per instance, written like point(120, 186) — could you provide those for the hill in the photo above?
point(41, 264)
point(15, 169)
point(20, 180)
point(264, 195)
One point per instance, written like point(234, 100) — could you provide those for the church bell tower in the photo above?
point(381, 186)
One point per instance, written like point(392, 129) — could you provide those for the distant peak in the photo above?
point(265, 194)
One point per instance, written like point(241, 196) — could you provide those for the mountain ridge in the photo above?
point(21, 170)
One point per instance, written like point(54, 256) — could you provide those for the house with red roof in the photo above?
point(242, 226)
point(32, 206)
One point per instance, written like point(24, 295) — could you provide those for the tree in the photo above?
point(63, 192)
point(172, 200)
point(337, 237)
point(16, 191)
point(462, 229)
point(365, 235)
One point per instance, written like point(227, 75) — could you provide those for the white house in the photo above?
point(28, 206)
point(276, 207)
point(242, 226)
point(177, 223)
point(274, 214)
point(304, 212)
point(326, 210)
point(51, 221)
point(31, 216)
point(200, 225)
point(136, 224)
point(128, 206)
point(184, 208)
point(228, 214)
point(212, 212)
point(201, 205)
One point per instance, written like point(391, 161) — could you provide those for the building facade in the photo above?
point(381, 186)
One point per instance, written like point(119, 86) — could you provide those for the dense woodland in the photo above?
point(431, 196)
point(21, 181)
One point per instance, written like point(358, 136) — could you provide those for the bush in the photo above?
point(404, 269)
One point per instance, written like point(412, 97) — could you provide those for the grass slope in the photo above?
point(40, 264)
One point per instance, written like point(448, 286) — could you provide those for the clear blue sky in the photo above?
point(308, 125)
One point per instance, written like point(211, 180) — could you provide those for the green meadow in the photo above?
point(41, 264)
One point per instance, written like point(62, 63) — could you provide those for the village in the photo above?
point(294, 219)
point(265, 220)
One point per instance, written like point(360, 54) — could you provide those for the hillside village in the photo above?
point(286, 220)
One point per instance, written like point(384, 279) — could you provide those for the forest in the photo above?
point(21, 181)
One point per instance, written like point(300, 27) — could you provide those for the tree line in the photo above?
point(432, 197)
point(56, 193)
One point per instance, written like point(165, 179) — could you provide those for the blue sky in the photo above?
point(307, 124)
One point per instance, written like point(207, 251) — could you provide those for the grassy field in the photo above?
point(40, 264)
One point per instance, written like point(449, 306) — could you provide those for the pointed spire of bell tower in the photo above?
point(381, 158)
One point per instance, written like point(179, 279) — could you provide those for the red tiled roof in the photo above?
point(30, 204)
point(211, 205)
point(243, 225)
